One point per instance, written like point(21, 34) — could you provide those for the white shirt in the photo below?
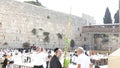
point(84, 61)
point(38, 59)
point(74, 59)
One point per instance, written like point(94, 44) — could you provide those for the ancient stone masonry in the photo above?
point(17, 20)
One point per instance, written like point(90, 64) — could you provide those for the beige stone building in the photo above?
point(17, 20)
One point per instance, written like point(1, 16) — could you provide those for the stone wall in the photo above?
point(18, 19)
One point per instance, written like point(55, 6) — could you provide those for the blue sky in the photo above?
point(94, 8)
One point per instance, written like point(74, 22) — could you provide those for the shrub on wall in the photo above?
point(59, 35)
point(5, 43)
point(26, 45)
point(72, 43)
point(46, 33)
point(47, 39)
point(34, 31)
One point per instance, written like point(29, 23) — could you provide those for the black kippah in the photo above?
point(56, 49)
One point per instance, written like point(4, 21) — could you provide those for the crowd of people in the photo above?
point(43, 58)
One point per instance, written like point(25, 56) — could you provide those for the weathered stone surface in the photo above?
point(18, 19)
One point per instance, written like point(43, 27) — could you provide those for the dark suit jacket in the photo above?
point(4, 63)
point(55, 63)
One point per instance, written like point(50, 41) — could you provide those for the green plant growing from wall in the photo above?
point(46, 33)
point(34, 31)
point(26, 44)
point(47, 38)
point(5, 43)
point(59, 37)
point(72, 44)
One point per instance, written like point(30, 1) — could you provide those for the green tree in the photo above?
point(116, 17)
point(107, 17)
point(59, 37)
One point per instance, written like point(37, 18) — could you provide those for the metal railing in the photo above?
point(21, 66)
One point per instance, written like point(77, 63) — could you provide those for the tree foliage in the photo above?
point(116, 17)
point(107, 17)
point(37, 3)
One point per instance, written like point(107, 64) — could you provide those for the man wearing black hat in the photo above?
point(5, 62)
point(55, 63)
